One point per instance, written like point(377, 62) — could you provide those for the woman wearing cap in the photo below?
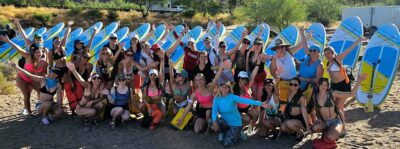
point(284, 61)
point(252, 57)
point(119, 97)
point(296, 119)
point(242, 88)
point(105, 66)
point(152, 94)
point(330, 120)
point(90, 105)
point(49, 86)
point(36, 40)
point(204, 97)
point(35, 64)
point(337, 73)
point(230, 123)
point(270, 115)
point(180, 88)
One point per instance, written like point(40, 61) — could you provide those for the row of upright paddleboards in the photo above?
point(380, 59)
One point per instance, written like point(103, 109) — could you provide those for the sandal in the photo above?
point(299, 137)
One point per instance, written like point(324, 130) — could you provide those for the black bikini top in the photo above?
point(44, 90)
point(57, 56)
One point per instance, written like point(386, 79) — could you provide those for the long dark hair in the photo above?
point(312, 102)
point(295, 98)
point(265, 94)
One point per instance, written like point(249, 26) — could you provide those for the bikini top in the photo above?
point(328, 103)
point(152, 93)
point(57, 56)
point(204, 100)
point(181, 92)
point(91, 97)
point(46, 91)
point(334, 68)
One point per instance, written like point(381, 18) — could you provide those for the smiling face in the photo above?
point(224, 89)
point(56, 42)
point(200, 80)
point(323, 84)
point(294, 85)
point(329, 53)
point(38, 53)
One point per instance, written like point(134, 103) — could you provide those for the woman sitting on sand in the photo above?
point(229, 124)
point(49, 87)
point(242, 88)
point(330, 122)
point(296, 120)
point(271, 113)
point(90, 106)
point(337, 73)
point(35, 64)
point(180, 87)
point(105, 66)
point(204, 97)
point(152, 93)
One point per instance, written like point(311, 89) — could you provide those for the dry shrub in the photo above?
point(7, 74)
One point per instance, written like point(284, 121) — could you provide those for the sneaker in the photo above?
point(220, 137)
point(50, 117)
point(45, 121)
point(24, 112)
point(243, 136)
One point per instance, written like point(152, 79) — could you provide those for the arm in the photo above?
point(151, 32)
point(121, 46)
point(254, 73)
point(319, 73)
point(59, 96)
point(15, 46)
point(188, 107)
point(345, 95)
point(171, 73)
point(273, 68)
point(260, 31)
point(304, 112)
point(66, 35)
point(165, 35)
point(26, 73)
point(342, 55)
point(214, 111)
point(239, 99)
point(174, 46)
point(71, 67)
point(304, 41)
point(233, 51)
point(28, 42)
point(216, 77)
point(89, 46)
point(50, 57)
point(298, 46)
point(217, 32)
point(161, 72)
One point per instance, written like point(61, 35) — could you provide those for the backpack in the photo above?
point(346, 71)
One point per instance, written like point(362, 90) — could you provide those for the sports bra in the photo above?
point(334, 68)
point(151, 93)
point(30, 68)
point(181, 92)
point(57, 56)
point(204, 100)
point(46, 91)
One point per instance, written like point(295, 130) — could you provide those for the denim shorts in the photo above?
point(333, 122)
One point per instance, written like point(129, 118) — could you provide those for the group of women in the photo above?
point(228, 91)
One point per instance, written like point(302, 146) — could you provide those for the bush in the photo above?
point(6, 75)
point(189, 13)
point(43, 19)
point(75, 11)
point(324, 12)
point(112, 15)
point(94, 14)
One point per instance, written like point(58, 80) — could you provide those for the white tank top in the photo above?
point(288, 65)
point(274, 109)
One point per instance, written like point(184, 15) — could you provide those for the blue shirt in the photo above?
point(308, 71)
point(227, 108)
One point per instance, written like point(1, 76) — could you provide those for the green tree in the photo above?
point(324, 11)
point(144, 6)
point(279, 13)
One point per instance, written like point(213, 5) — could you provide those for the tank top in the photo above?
point(247, 95)
point(288, 65)
point(31, 69)
point(253, 64)
point(240, 61)
point(121, 99)
point(205, 101)
point(275, 108)
point(308, 71)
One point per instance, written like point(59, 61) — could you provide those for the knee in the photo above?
point(331, 137)
point(125, 116)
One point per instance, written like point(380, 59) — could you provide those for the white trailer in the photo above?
point(374, 16)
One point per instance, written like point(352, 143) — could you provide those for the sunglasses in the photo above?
point(268, 84)
point(87, 57)
point(113, 38)
point(134, 39)
point(278, 47)
point(130, 55)
point(105, 53)
point(246, 42)
point(293, 84)
point(152, 75)
point(258, 44)
point(95, 77)
point(222, 46)
point(314, 50)
point(190, 43)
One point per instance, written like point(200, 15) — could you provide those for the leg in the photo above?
point(116, 113)
point(231, 135)
point(84, 112)
point(125, 116)
point(26, 92)
point(245, 119)
point(333, 133)
point(318, 127)
point(199, 125)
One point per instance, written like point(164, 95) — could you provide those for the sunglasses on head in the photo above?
point(293, 84)
point(314, 50)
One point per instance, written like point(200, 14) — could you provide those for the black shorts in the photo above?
point(202, 112)
point(341, 86)
point(125, 107)
point(244, 110)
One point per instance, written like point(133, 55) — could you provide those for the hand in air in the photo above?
point(71, 66)
point(70, 22)
point(4, 38)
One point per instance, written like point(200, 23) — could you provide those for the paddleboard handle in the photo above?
point(369, 107)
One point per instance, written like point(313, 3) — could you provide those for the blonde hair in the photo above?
point(219, 94)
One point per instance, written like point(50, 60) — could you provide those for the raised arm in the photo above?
point(342, 55)
point(298, 46)
point(67, 32)
point(345, 95)
point(304, 41)
point(15, 46)
point(121, 47)
point(216, 77)
point(162, 69)
point(233, 51)
point(89, 46)
point(254, 73)
point(174, 46)
point(171, 72)
point(28, 42)
point(71, 67)
point(164, 37)
point(260, 32)
point(151, 32)
point(217, 34)
point(26, 73)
